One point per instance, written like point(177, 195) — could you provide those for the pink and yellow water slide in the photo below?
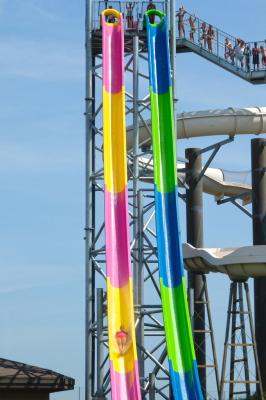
point(121, 326)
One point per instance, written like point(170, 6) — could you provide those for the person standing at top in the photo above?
point(263, 56)
point(203, 28)
point(228, 50)
point(242, 46)
point(130, 22)
point(192, 27)
point(255, 56)
point(239, 52)
point(181, 28)
point(111, 17)
point(247, 58)
point(151, 6)
point(210, 37)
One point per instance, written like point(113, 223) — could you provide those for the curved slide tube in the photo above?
point(215, 181)
point(180, 348)
point(238, 263)
point(231, 121)
point(121, 327)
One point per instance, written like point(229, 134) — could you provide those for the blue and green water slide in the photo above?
point(179, 340)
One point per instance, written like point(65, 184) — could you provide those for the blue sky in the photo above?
point(42, 170)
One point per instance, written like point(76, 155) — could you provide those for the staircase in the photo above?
point(195, 43)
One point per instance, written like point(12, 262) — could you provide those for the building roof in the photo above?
point(16, 375)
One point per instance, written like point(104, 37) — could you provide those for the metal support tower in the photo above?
point(194, 213)
point(90, 207)
point(197, 283)
point(258, 160)
point(241, 345)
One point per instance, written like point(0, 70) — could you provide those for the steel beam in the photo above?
point(194, 214)
point(258, 161)
point(90, 209)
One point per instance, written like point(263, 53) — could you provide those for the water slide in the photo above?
point(121, 324)
point(123, 355)
point(230, 121)
point(180, 347)
point(216, 181)
point(238, 263)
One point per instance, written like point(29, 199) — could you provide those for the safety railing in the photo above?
point(133, 12)
point(242, 55)
point(245, 56)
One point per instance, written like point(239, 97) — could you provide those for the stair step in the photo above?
point(241, 382)
point(240, 344)
point(207, 366)
point(240, 360)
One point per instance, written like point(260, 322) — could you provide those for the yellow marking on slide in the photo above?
point(115, 170)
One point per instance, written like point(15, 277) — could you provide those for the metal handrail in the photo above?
point(238, 58)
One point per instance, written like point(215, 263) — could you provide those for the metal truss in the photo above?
point(241, 344)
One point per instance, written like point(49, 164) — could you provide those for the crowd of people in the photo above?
point(236, 51)
point(241, 54)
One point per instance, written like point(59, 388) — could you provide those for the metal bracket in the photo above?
point(233, 200)
point(215, 147)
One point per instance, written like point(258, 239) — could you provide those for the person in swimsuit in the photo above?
point(192, 24)
point(255, 57)
point(242, 46)
point(111, 18)
point(263, 56)
point(239, 52)
point(204, 34)
point(228, 50)
point(130, 22)
point(181, 28)
point(122, 339)
point(210, 37)
point(247, 58)
point(151, 6)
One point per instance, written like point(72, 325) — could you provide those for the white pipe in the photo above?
point(231, 121)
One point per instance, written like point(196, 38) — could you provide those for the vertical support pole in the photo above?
point(139, 283)
point(253, 338)
point(151, 387)
point(135, 164)
point(190, 294)
point(173, 52)
point(233, 340)
point(90, 216)
point(228, 321)
point(172, 25)
point(258, 161)
point(100, 339)
point(212, 335)
point(138, 273)
point(194, 212)
point(244, 336)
